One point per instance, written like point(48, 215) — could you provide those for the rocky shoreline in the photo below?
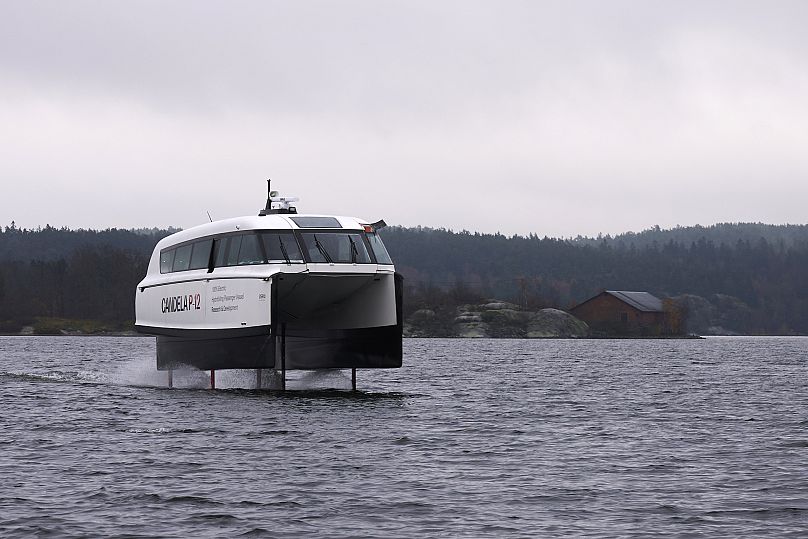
point(495, 319)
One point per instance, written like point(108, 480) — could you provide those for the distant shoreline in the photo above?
point(610, 338)
point(61, 327)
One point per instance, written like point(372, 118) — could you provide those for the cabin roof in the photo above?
point(267, 222)
point(642, 301)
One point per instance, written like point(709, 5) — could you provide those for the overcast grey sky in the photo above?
point(559, 118)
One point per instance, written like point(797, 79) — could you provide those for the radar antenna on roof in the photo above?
point(276, 203)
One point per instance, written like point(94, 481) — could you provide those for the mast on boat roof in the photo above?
point(276, 203)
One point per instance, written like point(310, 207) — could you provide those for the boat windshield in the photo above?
point(246, 249)
point(281, 247)
point(335, 247)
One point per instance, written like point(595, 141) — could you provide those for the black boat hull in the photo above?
point(284, 344)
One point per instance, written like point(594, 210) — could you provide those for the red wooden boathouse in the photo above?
point(624, 313)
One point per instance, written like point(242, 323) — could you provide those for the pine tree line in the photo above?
point(752, 276)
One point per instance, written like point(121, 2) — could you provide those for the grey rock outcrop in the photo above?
point(469, 323)
point(499, 319)
point(555, 323)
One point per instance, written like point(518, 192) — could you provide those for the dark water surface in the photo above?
point(472, 438)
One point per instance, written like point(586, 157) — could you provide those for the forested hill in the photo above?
point(746, 278)
point(684, 259)
point(728, 233)
point(51, 243)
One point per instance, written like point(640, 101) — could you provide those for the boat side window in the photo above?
point(382, 256)
point(200, 254)
point(221, 251)
point(250, 252)
point(231, 258)
point(189, 256)
point(182, 258)
point(281, 245)
point(166, 260)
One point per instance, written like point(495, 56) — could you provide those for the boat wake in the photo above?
point(142, 373)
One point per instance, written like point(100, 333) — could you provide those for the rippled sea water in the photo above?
point(472, 438)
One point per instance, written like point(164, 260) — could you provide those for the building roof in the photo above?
point(642, 301)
